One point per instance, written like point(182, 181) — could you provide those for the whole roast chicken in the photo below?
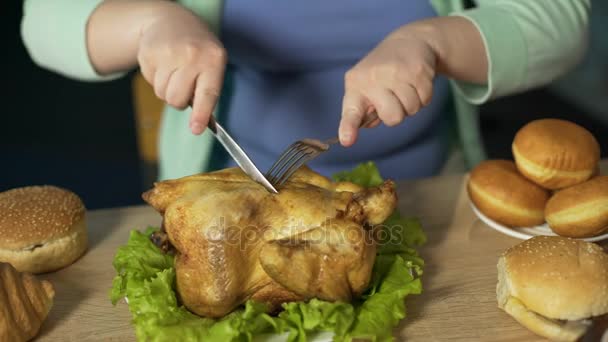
point(235, 241)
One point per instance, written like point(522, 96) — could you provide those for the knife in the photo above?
point(239, 156)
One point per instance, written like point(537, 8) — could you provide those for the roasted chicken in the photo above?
point(235, 241)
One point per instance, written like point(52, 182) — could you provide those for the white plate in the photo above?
point(525, 232)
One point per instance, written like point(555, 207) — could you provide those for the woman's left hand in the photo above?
point(393, 81)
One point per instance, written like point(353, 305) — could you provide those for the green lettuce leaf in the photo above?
point(137, 261)
point(365, 174)
point(316, 315)
point(382, 310)
point(146, 277)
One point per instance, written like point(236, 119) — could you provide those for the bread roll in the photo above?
point(580, 210)
point(25, 303)
point(555, 153)
point(552, 284)
point(501, 193)
point(42, 228)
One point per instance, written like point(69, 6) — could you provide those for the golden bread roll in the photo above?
point(501, 193)
point(25, 303)
point(553, 285)
point(42, 228)
point(596, 172)
point(555, 153)
point(580, 210)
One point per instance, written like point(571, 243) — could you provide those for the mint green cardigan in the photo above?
point(528, 43)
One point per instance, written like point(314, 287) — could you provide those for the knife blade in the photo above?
point(239, 156)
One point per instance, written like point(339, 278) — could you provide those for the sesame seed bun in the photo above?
point(42, 228)
point(555, 153)
point(500, 192)
point(550, 284)
point(580, 210)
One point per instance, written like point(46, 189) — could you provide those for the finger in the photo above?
point(387, 105)
point(423, 84)
point(408, 96)
point(161, 80)
point(425, 92)
point(206, 95)
point(147, 72)
point(181, 87)
point(353, 112)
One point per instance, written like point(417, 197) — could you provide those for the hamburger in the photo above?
point(42, 228)
point(554, 285)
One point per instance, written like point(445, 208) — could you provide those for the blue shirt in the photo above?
point(288, 60)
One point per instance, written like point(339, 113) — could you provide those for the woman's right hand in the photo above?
point(184, 62)
point(176, 51)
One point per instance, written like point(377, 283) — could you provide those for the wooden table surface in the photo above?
point(458, 302)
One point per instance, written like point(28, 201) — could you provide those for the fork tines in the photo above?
point(290, 161)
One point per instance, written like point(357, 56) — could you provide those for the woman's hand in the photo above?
point(177, 53)
point(184, 62)
point(395, 80)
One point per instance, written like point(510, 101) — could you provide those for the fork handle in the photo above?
point(373, 118)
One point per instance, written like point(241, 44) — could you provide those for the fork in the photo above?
point(300, 153)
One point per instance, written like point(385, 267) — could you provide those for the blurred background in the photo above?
point(89, 138)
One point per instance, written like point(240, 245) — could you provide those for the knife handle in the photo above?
point(212, 124)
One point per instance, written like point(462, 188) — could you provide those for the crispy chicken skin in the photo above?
point(235, 241)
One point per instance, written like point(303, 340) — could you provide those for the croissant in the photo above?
point(25, 302)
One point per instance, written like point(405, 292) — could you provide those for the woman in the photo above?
point(289, 70)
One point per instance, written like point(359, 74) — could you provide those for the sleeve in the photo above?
point(529, 43)
point(54, 35)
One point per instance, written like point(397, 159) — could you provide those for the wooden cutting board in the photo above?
point(458, 302)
